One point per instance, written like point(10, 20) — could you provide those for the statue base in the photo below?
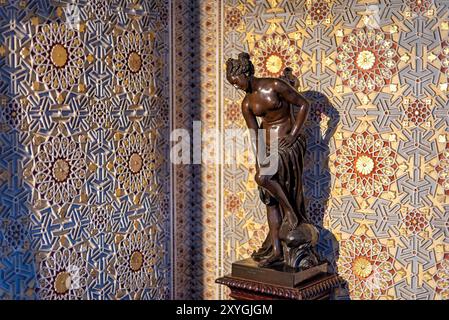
point(279, 275)
point(250, 282)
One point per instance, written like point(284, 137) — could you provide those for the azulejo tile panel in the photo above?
point(83, 142)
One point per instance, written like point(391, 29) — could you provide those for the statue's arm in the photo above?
point(252, 124)
point(292, 96)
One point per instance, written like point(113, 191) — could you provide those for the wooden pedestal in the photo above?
point(317, 288)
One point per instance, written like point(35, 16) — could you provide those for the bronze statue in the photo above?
point(291, 238)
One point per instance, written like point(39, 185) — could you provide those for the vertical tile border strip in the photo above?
point(178, 187)
point(221, 153)
point(188, 210)
point(210, 93)
point(172, 195)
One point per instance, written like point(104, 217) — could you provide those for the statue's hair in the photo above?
point(241, 65)
point(289, 77)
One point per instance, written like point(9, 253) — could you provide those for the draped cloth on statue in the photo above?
point(289, 176)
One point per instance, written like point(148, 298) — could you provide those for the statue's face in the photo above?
point(239, 82)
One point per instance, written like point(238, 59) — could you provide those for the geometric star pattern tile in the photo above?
point(84, 188)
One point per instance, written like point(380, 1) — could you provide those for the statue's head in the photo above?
point(239, 71)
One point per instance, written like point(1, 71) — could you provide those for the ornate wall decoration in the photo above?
point(101, 219)
point(397, 66)
point(60, 170)
point(100, 115)
point(417, 112)
point(14, 235)
point(134, 163)
point(367, 60)
point(84, 119)
point(365, 164)
point(318, 11)
point(419, 6)
point(57, 54)
point(63, 275)
point(444, 58)
point(234, 17)
point(442, 277)
point(138, 255)
point(13, 113)
point(273, 53)
point(443, 169)
point(132, 61)
point(100, 9)
point(367, 266)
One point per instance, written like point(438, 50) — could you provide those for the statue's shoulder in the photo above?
point(271, 82)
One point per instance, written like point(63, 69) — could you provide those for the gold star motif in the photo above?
point(274, 63)
point(90, 58)
point(35, 21)
point(362, 267)
point(63, 282)
point(59, 55)
point(136, 261)
point(81, 87)
point(2, 50)
point(60, 98)
point(366, 60)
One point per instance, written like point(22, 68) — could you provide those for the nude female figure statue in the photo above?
point(291, 237)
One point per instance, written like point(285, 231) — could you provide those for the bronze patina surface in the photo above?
point(281, 274)
point(268, 109)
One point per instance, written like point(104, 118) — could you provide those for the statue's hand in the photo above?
point(229, 64)
point(288, 140)
point(257, 168)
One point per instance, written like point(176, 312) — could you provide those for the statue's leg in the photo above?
point(278, 192)
point(274, 223)
point(264, 250)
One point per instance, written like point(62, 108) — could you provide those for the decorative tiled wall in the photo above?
point(85, 111)
point(84, 197)
point(376, 73)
